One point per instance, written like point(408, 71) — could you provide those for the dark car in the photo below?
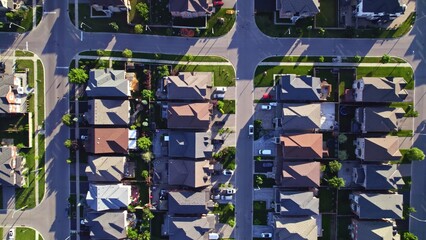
point(2, 67)
point(217, 3)
point(268, 164)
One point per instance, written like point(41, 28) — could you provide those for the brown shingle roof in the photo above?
point(188, 116)
point(299, 174)
point(302, 146)
point(108, 140)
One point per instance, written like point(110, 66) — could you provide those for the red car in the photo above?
point(218, 3)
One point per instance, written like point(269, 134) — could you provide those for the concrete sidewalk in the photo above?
point(334, 64)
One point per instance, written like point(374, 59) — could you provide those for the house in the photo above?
point(377, 177)
point(193, 86)
point(384, 10)
point(188, 228)
point(190, 8)
point(108, 197)
point(379, 89)
point(105, 8)
point(189, 173)
point(376, 205)
point(371, 230)
point(108, 83)
point(378, 149)
point(300, 174)
point(295, 228)
point(189, 203)
point(188, 115)
point(378, 119)
point(308, 117)
point(7, 4)
point(295, 9)
point(12, 167)
point(296, 203)
point(302, 146)
point(303, 88)
point(108, 169)
point(13, 93)
point(190, 144)
point(108, 141)
point(108, 112)
point(107, 225)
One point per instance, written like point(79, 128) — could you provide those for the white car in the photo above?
point(266, 235)
point(265, 152)
point(227, 172)
point(215, 197)
point(227, 197)
point(230, 190)
point(266, 107)
point(251, 129)
point(219, 95)
point(221, 89)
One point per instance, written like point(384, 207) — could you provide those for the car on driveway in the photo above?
point(266, 107)
point(227, 172)
point(266, 235)
point(219, 95)
point(227, 197)
point(11, 234)
point(267, 164)
point(265, 152)
point(230, 190)
point(251, 129)
point(221, 89)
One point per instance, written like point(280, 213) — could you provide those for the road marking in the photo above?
point(81, 36)
point(62, 67)
point(49, 13)
point(26, 46)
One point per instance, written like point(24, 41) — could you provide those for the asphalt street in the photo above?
point(56, 41)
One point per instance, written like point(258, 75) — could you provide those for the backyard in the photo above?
point(260, 213)
point(226, 213)
point(261, 181)
point(263, 76)
point(328, 14)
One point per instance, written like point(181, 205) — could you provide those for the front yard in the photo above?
point(226, 213)
point(260, 213)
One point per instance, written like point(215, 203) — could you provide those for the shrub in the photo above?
point(145, 174)
point(321, 31)
point(67, 119)
point(138, 28)
point(163, 71)
point(100, 52)
point(414, 154)
point(68, 143)
point(147, 94)
point(147, 156)
point(336, 182)
point(143, 11)
point(335, 166)
point(321, 59)
point(342, 138)
point(231, 222)
point(259, 180)
point(127, 53)
point(342, 155)
point(78, 76)
point(357, 58)
point(385, 58)
point(409, 236)
point(114, 26)
point(144, 144)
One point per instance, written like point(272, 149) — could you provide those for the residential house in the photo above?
point(377, 177)
point(300, 174)
point(302, 146)
point(295, 228)
point(107, 225)
point(308, 117)
point(7, 4)
point(383, 10)
point(108, 83)
point(189, 203)
point(379, 89)
point(379, 119)
point(295, 9)
point(108, 169)
point(108, 112)
point(12, 167)
point(303, 88)
point(108, 197)
point(188, 228)
point(190, 144)
point(371, 230)
point(193, 86)
point(108, 141)
point(105, 8)
point(190, 8)
point(194, 116)
point(379, 149)
point(189, 173)
point(13, 93)
point(376, 205)
point(296, 203)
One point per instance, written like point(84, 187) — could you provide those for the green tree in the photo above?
point(147, 214)
point(100, 52)
point(259, 180)
point(143, 11)
point(144, 144)
point(335, 166)
point(323, 167)
point(145, 174)
point(147, 156)
point(342, 138)
point(114, 26)
point(138, 28)
point(409, 236)
point(147, 94)
point(342, 155)
point(321, 31)
point(67, 119)
point(385, 58)
point(231, 222)
point(414, 154)
point(163, 71)
point(197, 31)
point(146, 235)
point(190, 58)
point(220, 105)
point(68, 143)
point(78, 76)
point(132, 233)
point(127, 53)
point(357, 58)
point(336, 182)
point(321, 59)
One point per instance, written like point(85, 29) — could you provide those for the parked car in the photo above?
point(219, 95)
point(215, 197)
point(265, 152)
point(227, 172)
point(274, 104)
point(217, 3)
point(267, 164)
point(163, 194)
point(251, 129)
point(2, 67)
point(266, 235)
point(221, 89)
point(215, 190)
point(11, 234)
point(227, 197)
point(266, 107)
point(230, 190)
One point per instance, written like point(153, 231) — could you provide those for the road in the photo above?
point(56, 41)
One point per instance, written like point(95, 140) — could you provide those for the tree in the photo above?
point(147, 94)
point(231, 222)
point(147, 156)
point(357, 58)
point(132, 234)
point(259, 180)
point(336, 182)
point(100, 52)
point(145, 174)
point(68, 143)
point(138, 28)
point(163, 71)
point(147, 214)
point(127, 53)
point(220, 105)
point(197, 31)
point(342, 155)
point(321, 59)
point(146, 235)
point(78, 76)
point(144, 144)
point(409, 236)
point(114, 26)
point(335, 166)
point(342, 138)
point(385, 58)
point(143, 11)
point(323, 167)
point(67, 119)
point(321, 31)
point(190, 58)
point(414, 154)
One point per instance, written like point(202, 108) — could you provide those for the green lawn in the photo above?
point(343, 233)
point(343, 202)
point(260, 213)
point(21, 65)
point(267, 182)
point(328, 14)
point(407, 106)
point(262, 80)
point(25, 233)
point(19, 53)
point(41, 167)
point(327, 198)
point(402, 133)
point(229, 106)
point(214, 28)
point(226, 212)
point(405, 72)
point(15, 127)
point(330, 59)
point(40, 91)
point(223, 75)
point(227, 157)
point(326, 226)
point(25, 196)
point(159, 56)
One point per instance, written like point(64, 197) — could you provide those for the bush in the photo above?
point(321, 31)
point(68, 143)
point(414, 154)
point(145, 174)
point(67, 119)
point(220, 105)
point(342, 155)
point(336, 182)
point(100, 52)
point(114, 26)
point(409, 236)
point(143, 11)
point(342, 138)
point(259, 180)
point(163, 71)
point(127, 53)
point(78, 76)
point(321, 59)
point(231, 222)
point(147, 157)
point(335, 166)
point(357, 58)
point(147, 94)
point(144, 144)
point(385, 58)
point(138, 28)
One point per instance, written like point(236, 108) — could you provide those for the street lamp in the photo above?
point(22, 208)
point(10, 25)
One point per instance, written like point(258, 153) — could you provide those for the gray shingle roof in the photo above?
point(300, 88)
point(189, 5)
point(298, 6)
point(296, 228)
point(301, 116)
point(190, 228)
point(380, 119)
point(108, 112)
point(380, 89)
point(108, 197)
point(107, 225)
point(10, 167)
point(379, 177)
point(382, 6)
point(378, 206)
point(190, 144)
point(108, 83)
point(293, 203)
point(105, 168)
point(382, 149)
point(188, 86)
point(186, 202)
point(373, 230)
point(189, 173)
